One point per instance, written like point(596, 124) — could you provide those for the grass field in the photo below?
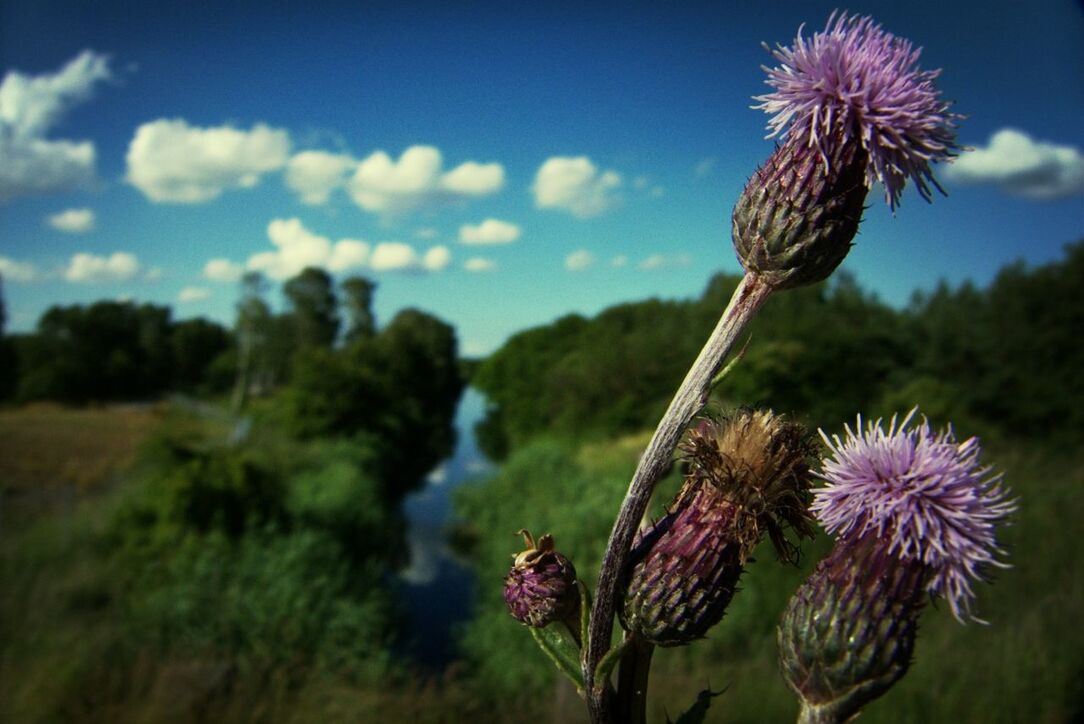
point(51, 456)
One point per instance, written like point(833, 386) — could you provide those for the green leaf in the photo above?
point(609, 660)
point(585, 610)
point(557, 643)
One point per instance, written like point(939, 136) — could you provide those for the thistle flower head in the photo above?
point(924, 494)
point(541, 587)
point(856, 82)
point(748, 476)
point(759, 461)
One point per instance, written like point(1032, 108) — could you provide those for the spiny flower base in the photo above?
point(849, 632)
point(797, 216)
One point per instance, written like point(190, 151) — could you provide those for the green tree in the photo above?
point(8, 359)
point(107, 351)
point(358, 302)
point(252, 330)
point(196, 344)
point(313, 307)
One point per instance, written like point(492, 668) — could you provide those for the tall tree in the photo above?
point(358, 301)
point(196, 344)
point(253, 320)
point(8, 360)
point(314, 308)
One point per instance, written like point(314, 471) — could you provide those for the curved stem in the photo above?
point(747, 299)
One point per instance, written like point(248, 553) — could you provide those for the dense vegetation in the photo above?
point(1005, 359)
point(247, 556)
point(572, 401)
point(240, 569)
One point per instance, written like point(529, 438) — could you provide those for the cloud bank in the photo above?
point(175, 163)
point(576, 185)
point(90, 268)
point(417, 179)
point(490, 231)
point(72, 221)
point(1021, 166)
point(30, 106)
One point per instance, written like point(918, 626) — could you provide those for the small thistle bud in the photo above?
point(853, 109)
point(748, 475)
point(915, 513)
point(541, 587)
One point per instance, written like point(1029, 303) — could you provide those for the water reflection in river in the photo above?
point(435, 589)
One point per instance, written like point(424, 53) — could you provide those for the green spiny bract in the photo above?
point(848, 634)
point(795, 220)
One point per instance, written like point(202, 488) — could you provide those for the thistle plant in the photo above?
point(850, 108)
point(915, 513)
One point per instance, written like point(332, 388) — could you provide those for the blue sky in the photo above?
point(497, 166)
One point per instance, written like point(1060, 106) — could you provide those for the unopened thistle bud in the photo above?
point(915, 513)
point(541, 587)
point(748, 476)
point(852, 108)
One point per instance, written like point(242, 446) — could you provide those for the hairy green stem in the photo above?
point(632, 680)
point(691, 396)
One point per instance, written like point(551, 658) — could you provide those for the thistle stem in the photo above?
point(750, 295)
point(812, 714)
point(632, 677)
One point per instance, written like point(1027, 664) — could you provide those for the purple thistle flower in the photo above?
point(541, 587)
point(923, 494)
point(855, 81)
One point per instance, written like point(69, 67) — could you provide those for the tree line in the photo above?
point(323, 364)
point(1004, 359)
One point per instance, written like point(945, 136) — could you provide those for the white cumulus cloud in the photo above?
point(72, 221)
point(296, 248)
point(30, 106)
point(490, 231)
point(479, 264)
point(193, 294)
point(1021, 166)
point(173, 162)
point(222, 270)
point(474, 179)
point(314, 175)
point(579, 260)
point(348, 254)
point(17, 271)
point(117, 267)
point(576, 185)
point(661, 261)
point(394, 256)
point(437, 259)
point(386, 186)
point(619, 261)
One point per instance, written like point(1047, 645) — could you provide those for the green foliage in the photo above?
point(313, 308)
point(1005, 358)
point(358, 302)
point(1032, 653)
point(396, 391)
point(196, 345)
point(109, 350)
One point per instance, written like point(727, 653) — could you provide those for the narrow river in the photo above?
point(435, 590)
